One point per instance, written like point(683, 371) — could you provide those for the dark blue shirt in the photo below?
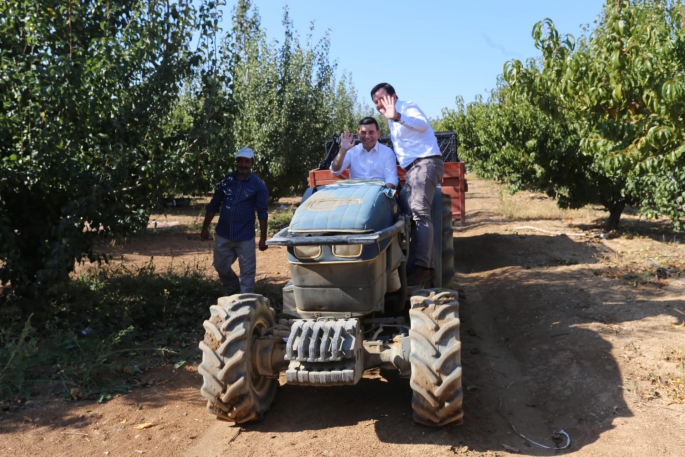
point(237, 201)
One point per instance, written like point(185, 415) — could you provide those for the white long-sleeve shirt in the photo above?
point(378, 163)
point(412, 137)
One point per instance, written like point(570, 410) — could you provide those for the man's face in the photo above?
point(368, 135)
point(244, 165)
point(378, 96)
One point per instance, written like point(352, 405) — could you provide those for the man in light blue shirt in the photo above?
point(369, 159)
point(419, 156)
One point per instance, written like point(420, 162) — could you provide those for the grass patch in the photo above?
point(567, 262)
point(632, 275)
point(670, 383)
point(189, 219)
point(99, 333)
point(526, 206)
point(279, 219)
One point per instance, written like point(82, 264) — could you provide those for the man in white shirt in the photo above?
point(419, 155)
point(369, 159)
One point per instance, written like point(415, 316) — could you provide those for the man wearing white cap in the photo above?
point(237, 198)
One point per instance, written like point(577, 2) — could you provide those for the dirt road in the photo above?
point(560, 332)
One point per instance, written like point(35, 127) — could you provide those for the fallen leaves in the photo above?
point(144, 426)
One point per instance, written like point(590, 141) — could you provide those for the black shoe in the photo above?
point(419, 276)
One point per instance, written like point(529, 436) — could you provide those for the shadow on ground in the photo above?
point(529, 358)
point(529, 302)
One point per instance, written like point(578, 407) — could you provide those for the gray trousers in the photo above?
point(225, 254)
point(421, 181)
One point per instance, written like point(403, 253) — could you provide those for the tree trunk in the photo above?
point(615, 211)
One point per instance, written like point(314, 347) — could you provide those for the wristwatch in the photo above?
point(399, 117)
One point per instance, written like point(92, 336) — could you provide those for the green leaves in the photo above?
point(289, 101)
point(620, 90)
point(85, 91)
point(107, 107)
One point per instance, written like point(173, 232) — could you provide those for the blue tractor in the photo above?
point(348, 309)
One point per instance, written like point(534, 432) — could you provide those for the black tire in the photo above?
point(233, 388)
point(447, 243)
point(435, 357)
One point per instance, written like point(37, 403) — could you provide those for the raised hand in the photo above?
point(346, 141)
point(388, 104)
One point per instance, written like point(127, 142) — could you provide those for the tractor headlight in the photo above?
point(307, 252)
point(347, 250)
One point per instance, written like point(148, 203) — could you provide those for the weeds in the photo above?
point(16, 355)
point(567, 262)
point(632, 275)
point(672, 382)
point(272, 291)
point(189, 219)
point(279, 219)
point(519, 207)
point(97, 334)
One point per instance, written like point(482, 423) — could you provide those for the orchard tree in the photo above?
point(345, 109)
point(288, 99)
point(201, 120)
point(512, 141)
point(620, 87)
point(86, 89)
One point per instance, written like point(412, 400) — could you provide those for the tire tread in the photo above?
point(227, 385)
point(436, 377)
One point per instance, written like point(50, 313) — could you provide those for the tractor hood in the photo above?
point(350, 206)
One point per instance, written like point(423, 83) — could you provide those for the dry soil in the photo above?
point(559, 331)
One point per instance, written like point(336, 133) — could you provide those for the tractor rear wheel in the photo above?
point(235, 391)
point(435, 357)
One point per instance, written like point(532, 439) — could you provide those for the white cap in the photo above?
point(245, 152)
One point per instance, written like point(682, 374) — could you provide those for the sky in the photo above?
point(431, 51)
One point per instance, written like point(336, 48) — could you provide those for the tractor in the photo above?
point(348, 308)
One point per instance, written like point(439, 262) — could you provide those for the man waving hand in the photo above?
point(419, 156)
point(369, 159)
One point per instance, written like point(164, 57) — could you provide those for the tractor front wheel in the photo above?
point(435, 357)
point(234, 389)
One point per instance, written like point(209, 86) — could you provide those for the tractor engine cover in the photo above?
point(324, 352)
point(332, 280)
